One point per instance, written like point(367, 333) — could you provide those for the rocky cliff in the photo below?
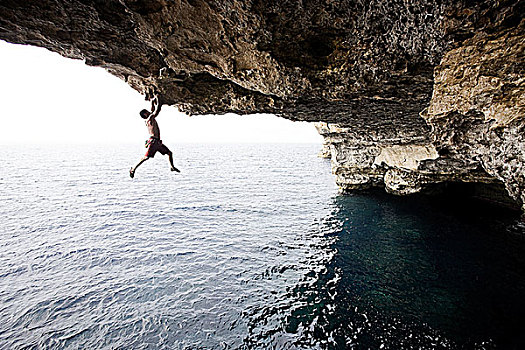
point(410, 92)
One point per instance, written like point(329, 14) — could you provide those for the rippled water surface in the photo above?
point(249, 247)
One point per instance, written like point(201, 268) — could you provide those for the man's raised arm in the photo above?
point(155, 106)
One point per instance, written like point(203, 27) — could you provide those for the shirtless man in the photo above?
point(154, 144)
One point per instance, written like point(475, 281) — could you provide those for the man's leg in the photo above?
point(132, 170)
point(170, 155)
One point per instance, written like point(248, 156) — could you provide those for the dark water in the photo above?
point(419, 274)
point(250, 247)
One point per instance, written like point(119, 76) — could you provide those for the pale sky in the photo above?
point(46, 98)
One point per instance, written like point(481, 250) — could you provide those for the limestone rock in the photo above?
point(484, 75)
point(405, 156)
point(370, 67)
point(478, 107)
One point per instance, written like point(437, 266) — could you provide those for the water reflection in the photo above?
point(290, 312)
point(410, 274)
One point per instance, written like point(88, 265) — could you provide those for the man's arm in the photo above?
point(155, 106)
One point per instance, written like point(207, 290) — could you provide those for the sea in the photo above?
point(250, 247)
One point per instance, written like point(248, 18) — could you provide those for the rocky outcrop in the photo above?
point(366, 68)
point(477, 109)
point(401, 163)
point(475, 127)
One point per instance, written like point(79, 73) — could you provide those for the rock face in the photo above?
point(411, 92)
point(474, 133)
point(478, 107)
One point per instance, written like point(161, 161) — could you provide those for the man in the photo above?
point(154, 144)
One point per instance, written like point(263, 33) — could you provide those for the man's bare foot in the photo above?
point(131, 173)
point(175, 169)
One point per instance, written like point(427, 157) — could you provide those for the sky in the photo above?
point(48, 99)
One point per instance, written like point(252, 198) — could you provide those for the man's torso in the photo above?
point(153, 127)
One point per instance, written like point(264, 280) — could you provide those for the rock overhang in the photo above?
point(373, 68)
point(274, 55)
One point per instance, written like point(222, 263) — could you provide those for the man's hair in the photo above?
point(144, 114)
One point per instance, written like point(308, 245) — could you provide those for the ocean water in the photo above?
point(250, 247)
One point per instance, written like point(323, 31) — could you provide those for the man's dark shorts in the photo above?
point(155, 145)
